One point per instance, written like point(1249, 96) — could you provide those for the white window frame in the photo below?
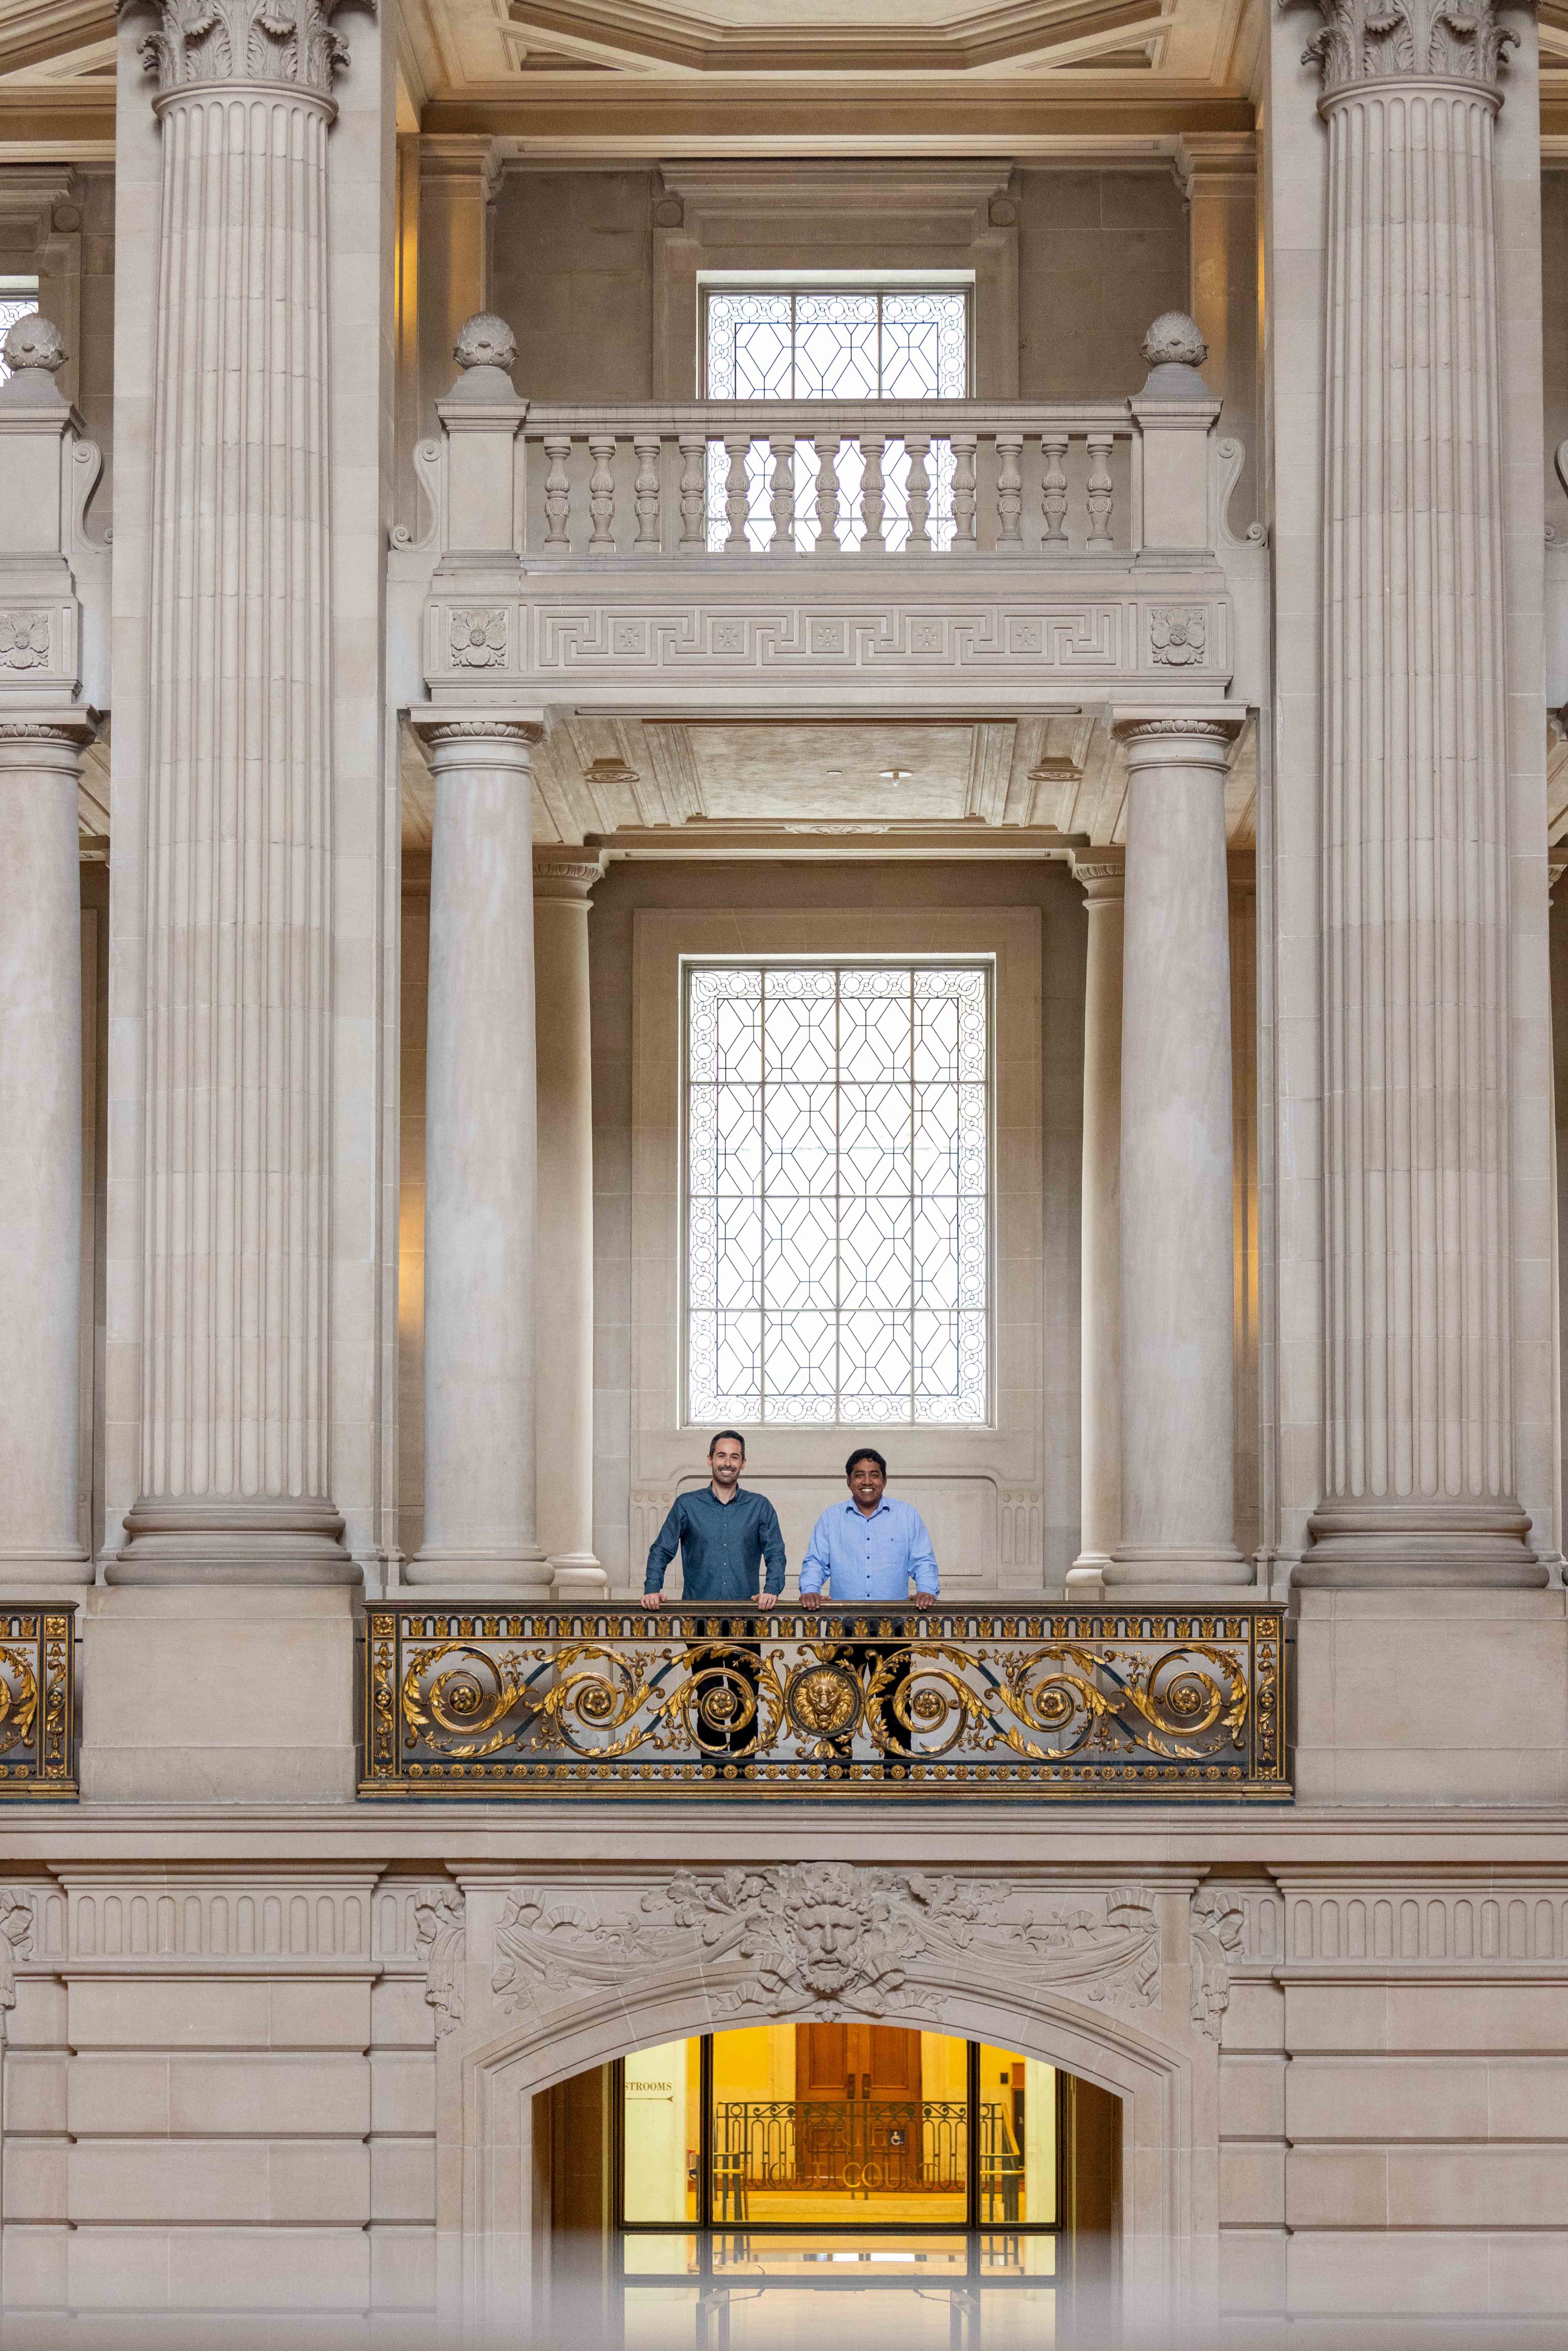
point(876, 282)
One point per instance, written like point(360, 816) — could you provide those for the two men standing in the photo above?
point(864, 1550)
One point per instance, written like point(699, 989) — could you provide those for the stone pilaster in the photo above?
point(40, 1151)
point(562, 881)
point(1178, 1395)
point(235, 1481)
point(1102, 874)
point(481, 1163)
point(1418, 1470)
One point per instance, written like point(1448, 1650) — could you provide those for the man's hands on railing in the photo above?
point(652, 1600)
point(922, 1601)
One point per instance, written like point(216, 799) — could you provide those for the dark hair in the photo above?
point(733, 1433)
point(864, 1453)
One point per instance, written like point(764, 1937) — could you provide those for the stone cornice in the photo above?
point(202, 43)
point(1409, 41)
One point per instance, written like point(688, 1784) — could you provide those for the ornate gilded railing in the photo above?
point(1175, 1702)
point(38, 1703)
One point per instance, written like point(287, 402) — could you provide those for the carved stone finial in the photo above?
point(33, 353)
point(1366, 41)
point(1174, 341)
point(486, 341)
point(1174, 351)
point(201, 42)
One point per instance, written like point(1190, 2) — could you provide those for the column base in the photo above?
point(259, 1542)
point(501, 1574)
point(1175, 1571)
point(1085, 1577)
point(577, 1576)
point(43, 1574)
point(1426, 1542)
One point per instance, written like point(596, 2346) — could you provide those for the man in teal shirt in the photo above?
point(723, 1535)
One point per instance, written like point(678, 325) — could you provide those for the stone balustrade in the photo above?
point(1085, 1703)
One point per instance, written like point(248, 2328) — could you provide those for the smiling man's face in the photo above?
point(867, 1483)
point(726, 1464)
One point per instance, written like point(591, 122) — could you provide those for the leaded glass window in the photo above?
point(838, 1192)
point(841, 343)
point(835, 343)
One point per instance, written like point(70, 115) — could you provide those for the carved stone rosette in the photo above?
point(235, 1479)
point(1419, 1481)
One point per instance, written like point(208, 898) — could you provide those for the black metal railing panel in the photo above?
point(461, 1699)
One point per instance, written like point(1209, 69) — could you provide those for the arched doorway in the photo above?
point(790, 2184)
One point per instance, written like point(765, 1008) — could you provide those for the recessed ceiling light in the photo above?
point(895, 775)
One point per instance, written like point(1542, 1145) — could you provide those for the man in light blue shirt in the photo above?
point(868, 1548)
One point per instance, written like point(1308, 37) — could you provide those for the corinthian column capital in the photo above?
point(1409, 40)
point(203, 42)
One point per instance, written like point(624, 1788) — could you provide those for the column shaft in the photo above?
point(481, 1166)
point(235, 1480)
point(562, 881)
point(1418, 1470)
point(40, 1155)
point(1100, 1367)
point(1176, 1268)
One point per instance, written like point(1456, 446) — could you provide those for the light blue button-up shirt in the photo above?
point(869, 1558)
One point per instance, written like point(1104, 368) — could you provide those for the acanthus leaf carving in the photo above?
point(1217, 1928)
point(440, 1938)
point(1366, 41)
point(848, 1942)
point(200, 43)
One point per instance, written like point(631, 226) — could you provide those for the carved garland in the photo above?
point(852, 1942)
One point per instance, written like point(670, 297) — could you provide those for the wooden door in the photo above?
point(857, 2091)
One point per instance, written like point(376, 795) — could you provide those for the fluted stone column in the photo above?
point(1177, 1400)
point(1101, 873)
point(480, 1164)
point(562, 879)
point(40, 1152)
point(1418, 1470)
point(235, 1479)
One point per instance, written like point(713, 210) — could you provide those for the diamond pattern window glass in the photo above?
point(835, 343)
point(838, 1192)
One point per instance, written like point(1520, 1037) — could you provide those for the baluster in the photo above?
point(1054, 489)
point(649, 528)
point(737, 444)
point(826, 447)
point(781, 452)
point(919, 492)
point(963, 446)
point(1009, 493)
point(601, 493)
point(557, 489)
point(1100, 489)
point(873, 504)
point(693, 494)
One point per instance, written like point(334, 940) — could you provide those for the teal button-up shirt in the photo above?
point(721, 1546)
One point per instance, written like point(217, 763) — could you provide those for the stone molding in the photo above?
point(848, 1942)
point(1409, 41)
point(435, 731)
point(289, 45)
point(566, 875)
